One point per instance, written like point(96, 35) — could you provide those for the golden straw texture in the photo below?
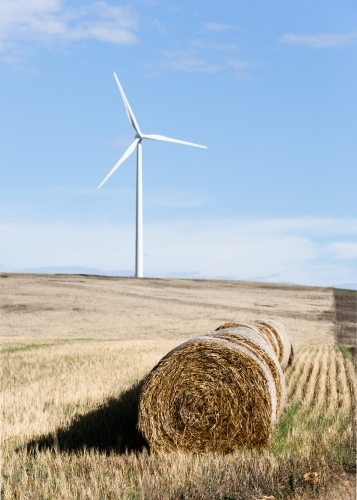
point(282, 337)
point(251, 338)
point(208, 394)
point(251, 326)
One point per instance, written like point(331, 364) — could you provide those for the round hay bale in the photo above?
point(251, 326)
point(268, 336)
point(226, 325)
point(283, 339)
point(208, 394)
point(252, 339)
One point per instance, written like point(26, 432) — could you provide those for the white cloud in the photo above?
point(343, 250)
point(184, 60)
point(175, 199)
point(205, 57)
point(159, 27)
point(220, 47)
point(49, 20)
point(320, 40)
point(316, 227)
point(120, 141)
point(70, 191)
point(243, 67)
point(297, 250)
point(240, 65)
point(216, 27)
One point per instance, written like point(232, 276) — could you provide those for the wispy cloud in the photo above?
point(243, 68)
point(343, 250)
point(266, 278)
point(120, 141)
point(240, 65)
point(50, 21)
point(220, 47)
point(175, 199)
point(186, 60)
point(159, 27)
point(71, 191)
point(194, 60)
point(217, 27)
point(204, 54)
point(316, 251)
point(320, 40)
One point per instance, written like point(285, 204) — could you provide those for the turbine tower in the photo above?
point(139, 182)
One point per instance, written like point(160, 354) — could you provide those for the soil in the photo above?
point(346, 316)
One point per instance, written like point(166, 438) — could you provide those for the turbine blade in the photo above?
point(129, 111)
point(122, 159)
point(156, 137)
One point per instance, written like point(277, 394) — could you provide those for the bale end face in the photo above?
point(208, 394)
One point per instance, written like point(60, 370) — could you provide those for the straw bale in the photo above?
point(251, 326)
point(227, 325)
point(282, 337)
point(208, 394)
point(264, 330)
point(251, 338)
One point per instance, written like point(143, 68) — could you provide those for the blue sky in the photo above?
point(269, 87)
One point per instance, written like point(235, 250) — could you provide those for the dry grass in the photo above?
point(69, 306)
point(48, 383)
point(70, 411)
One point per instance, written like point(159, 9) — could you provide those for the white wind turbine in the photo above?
point(139, 186)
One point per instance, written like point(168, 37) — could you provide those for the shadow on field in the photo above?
point(112, 427)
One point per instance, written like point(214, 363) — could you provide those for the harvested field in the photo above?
point(67, 306)
point(346, 316)
point(75, 350)
point(70, 413)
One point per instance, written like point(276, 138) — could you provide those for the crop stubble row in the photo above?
point(321, 382)
point(322, 378)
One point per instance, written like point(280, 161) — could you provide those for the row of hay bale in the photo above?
point(218, 392)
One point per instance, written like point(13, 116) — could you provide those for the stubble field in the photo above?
point(75, 349)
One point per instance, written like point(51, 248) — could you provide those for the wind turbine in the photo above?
point(139, 184)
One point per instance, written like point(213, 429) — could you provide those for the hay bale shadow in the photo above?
point(112, 427)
